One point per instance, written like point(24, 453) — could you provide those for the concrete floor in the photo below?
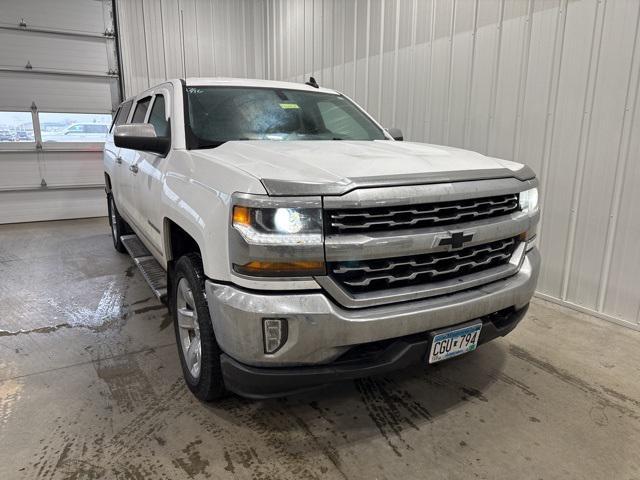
point(90, 387)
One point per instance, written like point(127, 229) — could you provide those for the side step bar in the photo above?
point(151, 270)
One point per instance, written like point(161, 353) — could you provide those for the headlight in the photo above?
point(529, 200)
point(276, 237)
point(278, 226)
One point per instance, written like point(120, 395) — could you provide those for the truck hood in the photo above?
point(336, 167)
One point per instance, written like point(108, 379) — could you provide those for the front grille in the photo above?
point(418, 216)
point(380, 274)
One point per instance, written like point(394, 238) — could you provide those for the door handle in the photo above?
point(119, 160)
point(134, 168)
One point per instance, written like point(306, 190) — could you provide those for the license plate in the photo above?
point(451, 343)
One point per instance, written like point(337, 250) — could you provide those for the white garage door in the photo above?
point(58, 88)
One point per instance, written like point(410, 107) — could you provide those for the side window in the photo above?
point(121, 114)
point(141, 110)
point(158, 118)
point(340, 122)
point(115, 118)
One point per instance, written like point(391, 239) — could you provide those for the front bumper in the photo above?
point(320, 331)
point(261, 382)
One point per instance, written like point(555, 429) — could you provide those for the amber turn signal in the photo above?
point(274, 269)
point(241, 215)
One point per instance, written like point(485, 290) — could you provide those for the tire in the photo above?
point(118, 226)
point(192, 324)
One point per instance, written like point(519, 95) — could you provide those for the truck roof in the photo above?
point(252, 82)
point(237, 82)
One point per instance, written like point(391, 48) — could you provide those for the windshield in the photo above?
point(221, 114)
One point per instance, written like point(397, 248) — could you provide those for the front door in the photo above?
point(148, 179)
point(128, 169)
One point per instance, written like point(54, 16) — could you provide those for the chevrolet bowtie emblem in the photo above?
point(455, 240)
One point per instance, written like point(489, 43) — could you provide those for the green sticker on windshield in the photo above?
point(289, 106)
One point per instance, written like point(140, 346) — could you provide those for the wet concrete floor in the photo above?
point(90, 387)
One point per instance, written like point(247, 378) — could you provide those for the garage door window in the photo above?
point(16, 127)
point(74, 127)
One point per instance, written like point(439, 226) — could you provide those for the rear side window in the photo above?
point(141, 110)
point(121, 114)
point(158, 118)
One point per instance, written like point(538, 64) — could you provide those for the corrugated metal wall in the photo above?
point(550, 83)
point(163, 39)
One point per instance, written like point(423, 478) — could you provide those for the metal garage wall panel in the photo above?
point(56, 52)
point(52, 204)
point(79, 16)
point(203, 21)
point(461, 68)
point(56, 93)
point(621, 292)
point(540, 85)
point(422, 58)
point(19, 170)
point(387, 74)
point(486, 58)
point(374, 66)
point(552, 83)
point(441, 51)
point(401, 95)
point(514, 36)
point(567, 135)
point(73, 168)
point(154, 41)
point(601, 155)
point(131, 29)
point(163, 39)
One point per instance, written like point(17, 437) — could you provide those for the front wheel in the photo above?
point(118, 226)
point(197, 347)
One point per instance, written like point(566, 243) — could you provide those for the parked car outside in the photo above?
point(6, 136)
point(78, 132)
point(23, 136)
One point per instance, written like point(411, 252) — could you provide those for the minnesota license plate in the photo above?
point(451, 343)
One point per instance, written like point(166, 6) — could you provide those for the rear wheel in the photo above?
point(118, 226)
point(197, 347)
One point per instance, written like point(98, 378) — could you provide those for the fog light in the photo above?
point(275, 333)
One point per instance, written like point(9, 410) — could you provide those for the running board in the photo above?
point(151, 270)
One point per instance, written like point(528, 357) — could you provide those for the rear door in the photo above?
point(112, 160)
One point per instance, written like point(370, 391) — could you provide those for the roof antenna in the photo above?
point(312, 83)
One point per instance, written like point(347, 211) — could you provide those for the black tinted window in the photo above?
point(121, 114)
point(157, 117)
point(141, 110)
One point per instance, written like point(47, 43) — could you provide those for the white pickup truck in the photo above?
point(297, 242)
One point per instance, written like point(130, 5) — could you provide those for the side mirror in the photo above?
point(141, 136)
point(396, 133)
